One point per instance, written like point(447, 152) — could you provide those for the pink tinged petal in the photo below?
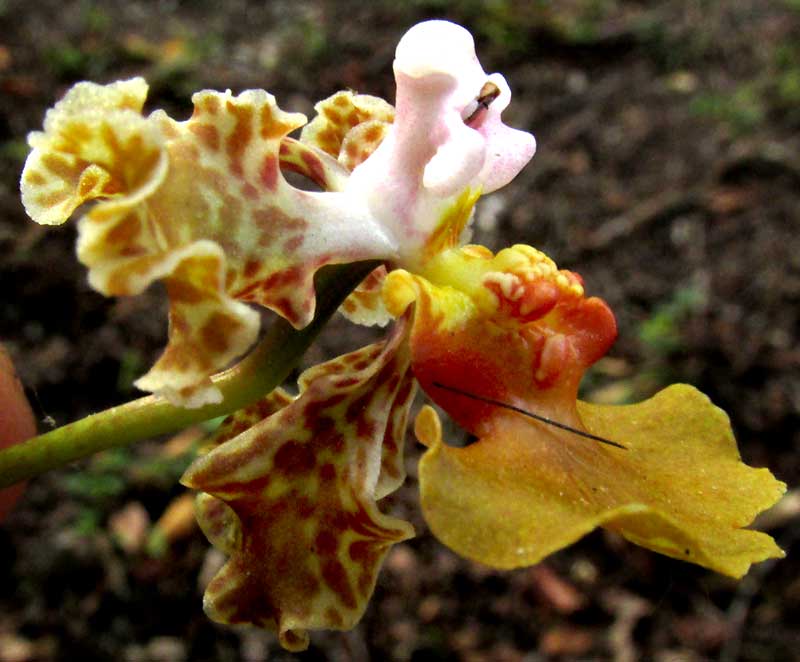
point(431, 156)
point(292, 499)
point(457, 162)
point(507, 150)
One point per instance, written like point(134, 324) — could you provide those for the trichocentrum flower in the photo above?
point(290, 488)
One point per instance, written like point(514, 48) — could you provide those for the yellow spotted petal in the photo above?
point(96, 145)
point(247, 417)
point(393, 471)
point(349, 126)
point(364, 305)
point(216, 518)
point(293, 498)
point(202, 205)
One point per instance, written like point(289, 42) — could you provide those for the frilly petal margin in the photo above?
point(526, 489)
point(292, 499)
point(522, 493)
point(349, 126)
point(201, 204)
point(95, 144)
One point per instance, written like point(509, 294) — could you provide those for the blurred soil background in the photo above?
point(667, 174)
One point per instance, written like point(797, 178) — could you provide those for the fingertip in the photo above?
point(16, 422)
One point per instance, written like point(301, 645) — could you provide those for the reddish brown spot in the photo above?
point(217, 330)
point(314, 168)
point(293, 243)
point(358, 412)
point(374, 133)
point(336, 444)
point(344, 382)
point(35, 178)
point(211, 105)
point(269, 172)
point(206, 134)
point(272, 128)
point(360, 551)
point(283, 306)
point(251, 268)
point(58, 166)
point(327, 472)
point(393, 382)
point(390, 470)
point(304, 506)
point(294, 458)
point(247, 292)
point(404, 392)
point(326, 543)
point(389, 444)
point(334, 618)
point(125, 231)
point(332, 115)
point(133, 250)
point(274, 224)
point(283, 278)
point(335, 577)
point(250, 192)
point(87, 183)
point(365, 583)
point(181, 291)
point(241, 136)
point(342, 100)
point(315, 410)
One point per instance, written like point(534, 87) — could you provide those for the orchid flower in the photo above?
point(290, 486)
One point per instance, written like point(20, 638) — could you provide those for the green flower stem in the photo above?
point(255, 376)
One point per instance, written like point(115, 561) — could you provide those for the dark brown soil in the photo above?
point(667, 174)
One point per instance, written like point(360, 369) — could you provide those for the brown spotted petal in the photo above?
point(202, 205)
point(349, 126)
point(393, 471)
point(215, 517)
point(247, 417)
point(308, 538)
point(95, 145)
point(321, 168)
point(364, 305)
